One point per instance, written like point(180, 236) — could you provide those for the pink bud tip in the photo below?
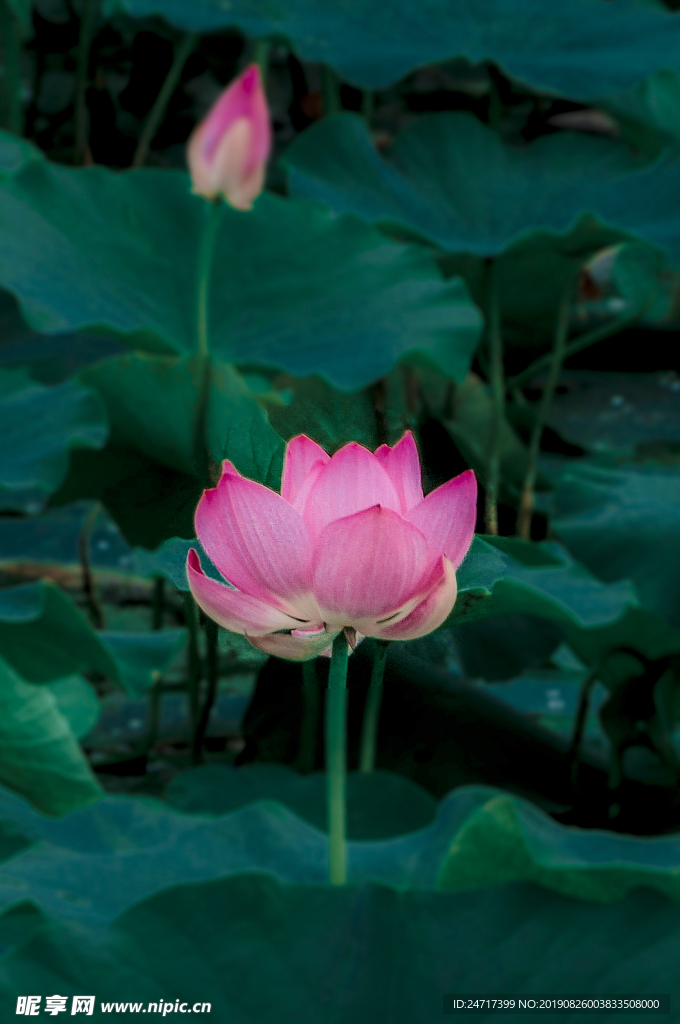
point(228, 151)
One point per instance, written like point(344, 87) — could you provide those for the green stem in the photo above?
point(526, 503)
point(369, 728)
point(330, 88)
point(581, 715)
point(84, 40)
point(202, 461)
point(590, 338)
point(10, 33)
point(205, 259)
point(497, 396)
point(158, 109)
point(94, 608)
point(310, 717)
point(336, 760)
point(261, 58)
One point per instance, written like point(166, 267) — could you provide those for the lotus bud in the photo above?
point(228, 151)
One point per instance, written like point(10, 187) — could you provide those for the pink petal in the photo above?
point(294, 648)
point(429, 614)
point(402, 465)
point(228, 150)
point(256, 539)
point(303, 456)
point(447, 516)
point(368, 564)
point(232, 609)
point(351, 481)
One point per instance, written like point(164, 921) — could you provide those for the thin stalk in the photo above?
point(195, 668)
point(84, 41)
point(205, 258)
point(202, 461)
point(10, 32)
point(369, 727)
point(157, 111)
point(310, 716)
point(261, 57)
point(526, 504)
point(330, 88)
point(211, 665)
point(94, 608)
point(579, 725)
point(497, 396)
point(590, 338)
point(336, 760)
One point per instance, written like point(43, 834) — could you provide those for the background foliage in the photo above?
point(469, 230)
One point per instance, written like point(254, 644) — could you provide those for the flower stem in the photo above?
point(201, 449)
point(10, 34)
point(578, 344)
point(94, 609)
point(526, 504)
point(205, 257)
point(581, 715)
point(158, 109)
point(310, 716)
point(369, 728)
point(84, 40)
point(497, 396)
point(261, 58)
point(336, 760)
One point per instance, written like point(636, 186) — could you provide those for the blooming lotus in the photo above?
point(349, 543)
point(228, 150)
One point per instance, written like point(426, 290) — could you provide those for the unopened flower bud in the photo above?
point(228, 151)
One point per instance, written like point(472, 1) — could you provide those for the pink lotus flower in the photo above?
point(349, 542)
point(228, 150)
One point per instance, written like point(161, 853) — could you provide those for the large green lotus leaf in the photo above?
point(15, 153)
point(40, 426)
point(506, 839)
point(148, 501)
point(44, 637)
point(141, 658)
point(170, 561)
point(77, 702)
point(40, 758)
point(538, 579)
point(290, 953)
point(624, 523)
point(292, 285)
point(96, 862)
point(451, 181)
point(151, 402)
point(379, 804)
point(638, 628)
point(145, 475)
point(581, 49)
point(22, 10)
point(649, 113)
